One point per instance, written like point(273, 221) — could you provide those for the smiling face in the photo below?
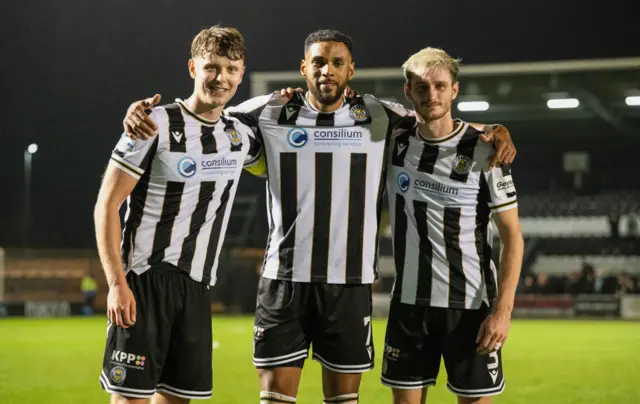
point(216, 78)
point(327, 68)
point(432, 93)
point(216, 65)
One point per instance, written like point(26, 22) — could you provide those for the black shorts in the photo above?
point(168, 349)
point(418, 336)
point(334, 319)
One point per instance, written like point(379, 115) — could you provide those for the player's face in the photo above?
point(216, 78)
point(432, 93)
point(327, 68)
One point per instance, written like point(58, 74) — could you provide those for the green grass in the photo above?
point(57, 361)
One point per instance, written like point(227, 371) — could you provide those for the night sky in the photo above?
point(70, 68)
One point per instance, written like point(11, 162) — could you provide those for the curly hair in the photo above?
point(222, 41)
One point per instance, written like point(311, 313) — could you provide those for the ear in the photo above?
point(351, 71)
point(242, 73)
point(303, 68)
point(407, 91)
point(192, 68)
point(456, 89)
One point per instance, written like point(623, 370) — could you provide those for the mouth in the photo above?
point(217, 90)
point(328, 85)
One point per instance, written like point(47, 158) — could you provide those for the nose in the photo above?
point(326, 70)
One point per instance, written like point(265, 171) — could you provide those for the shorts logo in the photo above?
point(391, 353)
point(128, 359)
point(461, 164)
point(403, 181)
point(234, 136)
point(297, 137)
point(187, 167)
point(493, 365)
point(258, 332)
point(358, 113)
point(118, 374)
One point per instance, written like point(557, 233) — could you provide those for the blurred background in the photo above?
point(563, 76)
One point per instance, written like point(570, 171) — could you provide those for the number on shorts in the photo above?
point(367, 323)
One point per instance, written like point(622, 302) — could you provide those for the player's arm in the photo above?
point(256, 163)
point(502, 202)
point(137, 123)
point(128, 162)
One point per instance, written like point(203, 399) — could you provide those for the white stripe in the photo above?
point(343, 368)
point(477, 392)
point(202, 241)
point(439, 262)
point(183, 393)
point(470, 259)
point(339, 217)
point(223, 229)
point(407, 385)
point(287, 356)
point(105, 380)
point(411, 268)
point(182, 222)
point(305, 186)
point(126, 166)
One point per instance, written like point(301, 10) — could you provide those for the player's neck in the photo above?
point(204, 110)
point(315, 104)
point(438, 128)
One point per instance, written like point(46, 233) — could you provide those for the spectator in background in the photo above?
point(614, 222)
point(528, 284)
point(89, 288)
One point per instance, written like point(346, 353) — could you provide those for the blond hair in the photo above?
point(221, 41)
point(427, 59)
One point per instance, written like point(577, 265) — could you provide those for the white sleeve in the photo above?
point(502, 191)
point(134, 156)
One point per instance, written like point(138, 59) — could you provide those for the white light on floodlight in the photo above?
point(32, 148)
point(473, 106)
point(633, 101)
point(562, 103)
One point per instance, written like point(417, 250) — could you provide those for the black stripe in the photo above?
point(216, 234)
point(198, 219)
point(137, 200)
point(164, 228)
point(321, 217)
point(289, 112)
point(270, 213)
point(254, 148)
point(464, 155)
point(119, 153)
point(428, 158)
point(425, 253)
point(325, 119)
point(483, 248)
point(355, 221)
point(399, 243)
point(289, 207)
point(400, 149)
point(176, 129)
point(457, 281)
point(208, 140)
point(506, 169)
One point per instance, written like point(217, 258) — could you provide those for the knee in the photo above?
point(474, 400)
point(278, 383)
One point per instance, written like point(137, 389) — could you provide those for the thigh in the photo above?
point(134, 357)
point(188, 367)
point(342, 332)
point(411, 353)
point(470, 374)
point(280, 332)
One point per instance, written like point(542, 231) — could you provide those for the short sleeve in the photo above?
point(502, 190)
point(255, 150)
point(133, 156)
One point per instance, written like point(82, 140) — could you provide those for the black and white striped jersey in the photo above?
point(441, 198)
point(187, 179)
point(325, 180)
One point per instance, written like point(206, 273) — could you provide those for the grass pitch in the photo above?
point(56, 361)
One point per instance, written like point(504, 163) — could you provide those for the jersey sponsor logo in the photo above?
point(358, 113)
point(505, 184)
point(118, 374)
point(433, 186)
point(234, 136)
point(403, 181)
point(187, 167)
point(462, 164)
point(177, 135)
point(297, 137)
point(219, 166)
